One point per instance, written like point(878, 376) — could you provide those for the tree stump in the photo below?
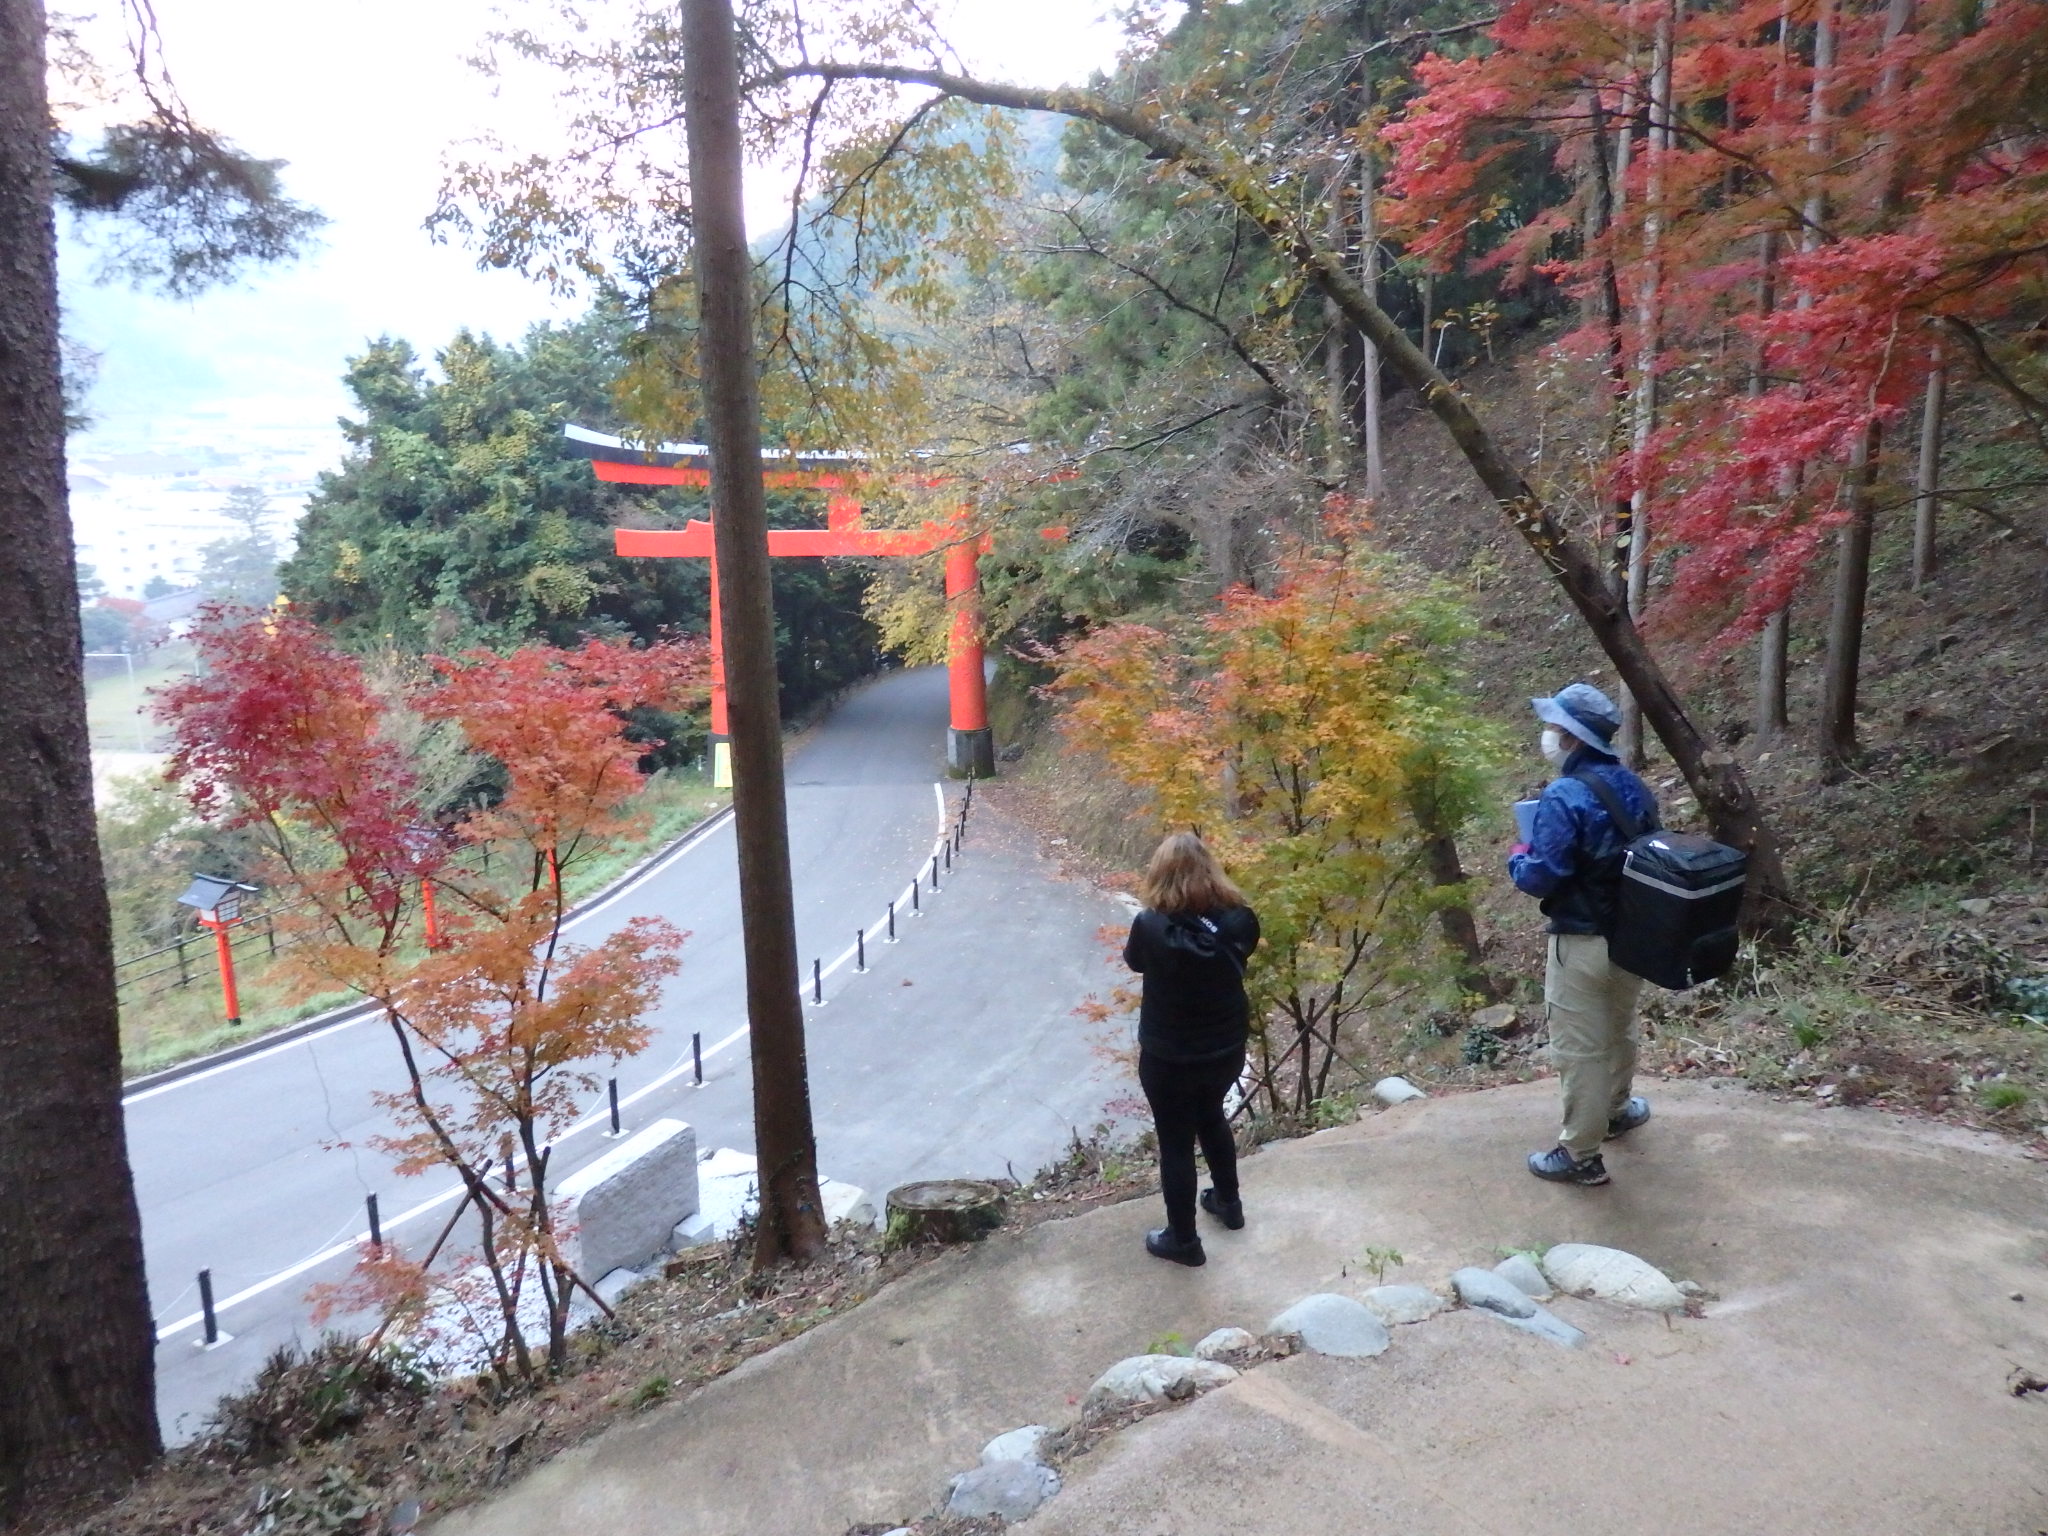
point(943, 1211)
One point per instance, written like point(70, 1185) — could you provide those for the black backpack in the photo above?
point(1677, 903)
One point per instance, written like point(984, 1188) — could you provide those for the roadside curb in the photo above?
point(328, 1020)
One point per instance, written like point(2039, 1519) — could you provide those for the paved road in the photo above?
point(957, 1051)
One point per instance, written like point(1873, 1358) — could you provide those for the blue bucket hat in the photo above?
point(1582, 710)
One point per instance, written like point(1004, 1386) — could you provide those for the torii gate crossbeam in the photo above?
point(970, 745)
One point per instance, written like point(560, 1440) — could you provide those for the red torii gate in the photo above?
point(970, 746)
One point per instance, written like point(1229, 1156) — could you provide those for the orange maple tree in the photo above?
point(1319, 739)
point(500, 1027)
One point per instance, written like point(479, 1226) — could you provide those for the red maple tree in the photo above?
point(500, 1027)
point(1785, 217)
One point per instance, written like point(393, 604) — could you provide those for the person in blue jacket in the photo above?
point(1572, 861)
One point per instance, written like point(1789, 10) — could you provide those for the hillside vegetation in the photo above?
point(1919, 977)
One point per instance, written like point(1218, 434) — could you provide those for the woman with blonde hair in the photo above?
point(1190, 945)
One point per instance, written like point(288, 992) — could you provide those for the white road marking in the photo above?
point(881, 926)
point(692, 840)
point(597, 1117)
point(349, 1245)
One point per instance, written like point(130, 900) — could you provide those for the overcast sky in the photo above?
point(364, 98)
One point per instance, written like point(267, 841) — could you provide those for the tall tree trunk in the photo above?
point(1927, 477)
point(1369, 280)
point(1428, 313)
point(1604, 306)
point(77, 1347)
point(1649, 323)
point(1447, 869)
point(1715, 778)
point(1838, 745)
point(1900, 16)
point(1845, 617)
point(792, 1221)
point(1772, 714)
point(1460, 931)
point(1771, 693)
point(1336, 382)
point(1631, 94)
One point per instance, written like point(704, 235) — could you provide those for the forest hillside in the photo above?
point(1918, 977)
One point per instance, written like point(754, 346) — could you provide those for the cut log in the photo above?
point(943, 1211)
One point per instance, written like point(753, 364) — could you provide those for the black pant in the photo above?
point(1187, 1106)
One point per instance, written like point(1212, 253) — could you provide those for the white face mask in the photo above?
point(1555, 751)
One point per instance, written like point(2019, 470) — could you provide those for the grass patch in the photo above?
point(116, 717)
point(674, 801)
point(2000, 1096)
point(182, 1020)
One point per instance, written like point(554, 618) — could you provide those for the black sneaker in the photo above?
point(1560, 1167)
point(1633, 1112)
point(1162, 1244)
point(1229, 1212)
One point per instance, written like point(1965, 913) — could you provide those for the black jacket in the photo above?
point(1194, 1004)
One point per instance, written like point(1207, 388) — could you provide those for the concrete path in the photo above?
point(957, 1051)
point(1851, 1377)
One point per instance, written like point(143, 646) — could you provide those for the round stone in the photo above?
point(1520, 1271)
point(1224, 1341)
point(1610, 1274)
point(1012, 1489)
point(1026, 1444)
point(1153, 1379)
point(1396, 1090)
point(1329, 1324)
point(1396, 1304)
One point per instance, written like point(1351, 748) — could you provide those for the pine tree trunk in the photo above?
point(77, 1347)
point(792, 1221)
point(1927, 477)
point(1845, 618)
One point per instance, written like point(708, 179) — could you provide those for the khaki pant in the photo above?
point(1591, 1004)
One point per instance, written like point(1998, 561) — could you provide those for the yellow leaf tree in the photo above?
point(1318, 739)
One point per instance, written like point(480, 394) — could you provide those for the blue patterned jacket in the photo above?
point(1574, 857)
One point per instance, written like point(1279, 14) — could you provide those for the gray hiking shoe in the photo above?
point(1560, 1167)
point(1634, 1112)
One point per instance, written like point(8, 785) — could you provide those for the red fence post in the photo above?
point(227, 973)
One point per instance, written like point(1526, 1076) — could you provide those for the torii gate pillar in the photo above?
point(970, 745)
